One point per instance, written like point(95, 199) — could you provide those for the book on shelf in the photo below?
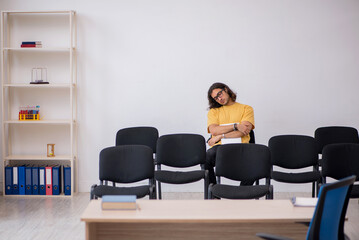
point(119, 202)
point(33, 179)
point(36, 44)
point(31, 45)
point(31, 42)
point(304, 201)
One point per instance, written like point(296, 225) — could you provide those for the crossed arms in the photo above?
point(227, 131)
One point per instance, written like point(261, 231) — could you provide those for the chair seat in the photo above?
point(305, 177)
point(139, 191)
point(240, 192)
point(355, 192)
point(176, 177)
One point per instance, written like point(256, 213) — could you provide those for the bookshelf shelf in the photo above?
point(56, 122)
point(43, 49)
point(26, 85)
point(56, 32)
point(41, 12)
point(37, 196)
point(38, 157)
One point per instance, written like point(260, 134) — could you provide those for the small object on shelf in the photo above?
point(39, 76)
point(31, 44)
point(51, 150)
point(29, 113)
point(119, 202)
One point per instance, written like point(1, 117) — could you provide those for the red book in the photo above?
point(28, 45)
point(31, 45)
point(48, 174)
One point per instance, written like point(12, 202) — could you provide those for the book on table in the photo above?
point(119, 202)
point(304, 201)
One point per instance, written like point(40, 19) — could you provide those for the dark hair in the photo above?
point(213, 103)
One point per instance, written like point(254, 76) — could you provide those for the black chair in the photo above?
point(329, 214)
point(341, 160)
point(295, 152)
point(335, 134)
point(147, 136)
point(242, 162)
point(181, 151)
point(123, 165)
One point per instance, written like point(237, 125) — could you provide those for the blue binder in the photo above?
point(35, 180)
point(28, 180)
point(8, 180)
point(67, 180)
point(21, 180)
point(42, 187)
point(56, 183)
point(15, 180)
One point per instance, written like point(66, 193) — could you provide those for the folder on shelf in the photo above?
point(8, 180)
point(35, 180)
point(48, 176)
point(28, 180)
point(67, 180)
point(21, 180)
point(56, 183)
point(42, 179)
point(15, 180)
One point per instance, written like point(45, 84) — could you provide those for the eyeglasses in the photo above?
point(219, 95)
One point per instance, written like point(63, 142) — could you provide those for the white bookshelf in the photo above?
point(26, 141)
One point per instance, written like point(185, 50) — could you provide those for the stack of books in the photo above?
point(119, 202)
point(31, 44)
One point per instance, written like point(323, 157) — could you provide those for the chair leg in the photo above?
point(159, 183)
point(206, 184)
point(159, 190)
point(154, 189)
point(270, 192)
point(92, 195)
point(210, 196)
point(313, 189)
point(152, 183)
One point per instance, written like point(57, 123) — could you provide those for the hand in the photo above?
point(214, 139)
point(244, 128)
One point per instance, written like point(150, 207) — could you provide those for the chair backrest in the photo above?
point(335, 134)
point(340, 160)
point(181, 150)
point(329, 215)
point(147, 136)
point(126, 164)
point(252, 137)
point(293, 151)
point(243, 162)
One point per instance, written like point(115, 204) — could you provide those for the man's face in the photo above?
point(220, 96)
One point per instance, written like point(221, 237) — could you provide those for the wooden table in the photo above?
point(197, 219)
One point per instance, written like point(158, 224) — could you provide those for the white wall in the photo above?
point(151, 63)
